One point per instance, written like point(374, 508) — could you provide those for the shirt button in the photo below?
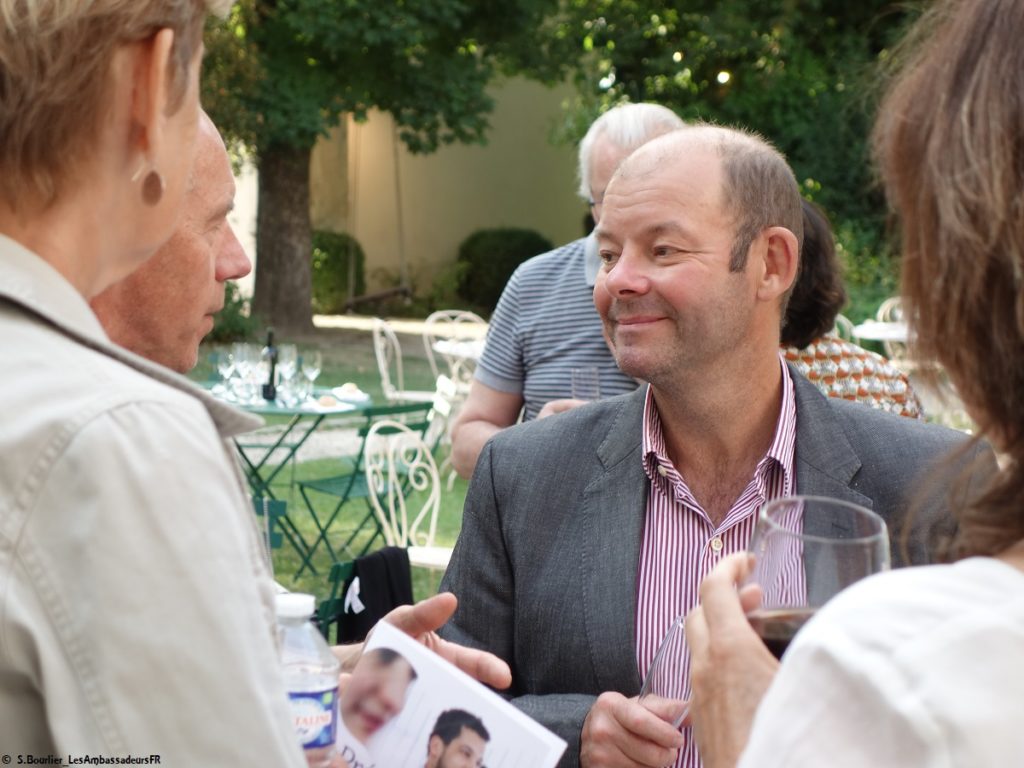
point(716, 544)
point(661, 470)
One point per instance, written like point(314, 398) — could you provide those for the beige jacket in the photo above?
point(136, 609)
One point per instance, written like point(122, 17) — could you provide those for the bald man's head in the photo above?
point(758, 187)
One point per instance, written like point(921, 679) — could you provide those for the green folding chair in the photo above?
point(351, 485)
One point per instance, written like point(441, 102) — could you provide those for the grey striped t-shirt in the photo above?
point(545, 325)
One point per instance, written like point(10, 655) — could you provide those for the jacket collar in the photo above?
point(32, 284)
point(825, 462)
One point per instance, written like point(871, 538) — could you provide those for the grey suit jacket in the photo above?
point(545, 567)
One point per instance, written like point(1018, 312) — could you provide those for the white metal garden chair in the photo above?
point(455, 325)
point(389, 364)
point(400, 466)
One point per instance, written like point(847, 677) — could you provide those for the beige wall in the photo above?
point(518, 179)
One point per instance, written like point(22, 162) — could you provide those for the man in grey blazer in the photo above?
point(567, 565)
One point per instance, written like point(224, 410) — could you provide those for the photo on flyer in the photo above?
point(405, 707)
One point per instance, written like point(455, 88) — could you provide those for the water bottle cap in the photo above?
point(295, 605)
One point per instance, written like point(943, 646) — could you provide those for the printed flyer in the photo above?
point(405, 707)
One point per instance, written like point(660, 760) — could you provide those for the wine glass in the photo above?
point(586, 383)
point(312, 362)
point(666, 688)
point(246, 357)
point(287, 360)
point(806, 549)
point(225, 362)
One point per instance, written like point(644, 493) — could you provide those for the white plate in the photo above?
point(350, 395)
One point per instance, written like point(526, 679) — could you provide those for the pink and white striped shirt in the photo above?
point(680, 543)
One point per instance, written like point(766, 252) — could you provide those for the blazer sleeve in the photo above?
point(482, 575)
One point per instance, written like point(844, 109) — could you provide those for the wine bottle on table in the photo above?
point(270, 358)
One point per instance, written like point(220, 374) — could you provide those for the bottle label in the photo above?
point(316, 717)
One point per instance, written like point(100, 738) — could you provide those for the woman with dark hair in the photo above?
point(919, 666)
point(839, 368)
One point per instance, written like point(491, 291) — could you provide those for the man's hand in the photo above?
point(730, 667)
point(421, 621)
point(558, 406)
point(622, 733)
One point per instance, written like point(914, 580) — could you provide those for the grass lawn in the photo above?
point(286, 560)
point(349, 356)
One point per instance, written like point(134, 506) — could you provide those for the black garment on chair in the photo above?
point(385, 582)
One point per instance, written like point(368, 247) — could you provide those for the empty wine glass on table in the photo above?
point(287, 361)
point(312, 362)
point(246, 358)
point(806, 549)
point(225, 362)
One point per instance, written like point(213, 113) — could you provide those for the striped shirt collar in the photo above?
point(662, 473)
point(681, 546)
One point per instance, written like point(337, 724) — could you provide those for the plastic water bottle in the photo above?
point(311, 678)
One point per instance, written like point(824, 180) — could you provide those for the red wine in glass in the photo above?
point(777, 626)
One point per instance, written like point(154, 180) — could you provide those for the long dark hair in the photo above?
point(949, 142)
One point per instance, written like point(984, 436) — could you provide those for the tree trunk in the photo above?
point(283, 290)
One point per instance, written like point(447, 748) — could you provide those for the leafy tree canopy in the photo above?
point(281, 73)
point(799, 73)
point(803, 74)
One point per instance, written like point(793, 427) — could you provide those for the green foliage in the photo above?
point(234, 322)
point(490, 257)
point(333, 255)
point(284, 71)
point(801, 74)
point(444, 292)
point(870, 271)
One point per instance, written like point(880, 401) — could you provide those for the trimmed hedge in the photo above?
point(331, 254)
point(490, 257)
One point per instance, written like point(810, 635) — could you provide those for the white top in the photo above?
point(916, 667)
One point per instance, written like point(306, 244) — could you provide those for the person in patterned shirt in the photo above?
point(837, 367)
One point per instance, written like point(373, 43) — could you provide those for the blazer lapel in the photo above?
point(825, 462)
point(825, 466)
point(614, 507)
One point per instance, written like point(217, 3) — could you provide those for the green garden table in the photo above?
point(303, 421)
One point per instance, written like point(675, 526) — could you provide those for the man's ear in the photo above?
point(151, 92)
point(779, 260)
point(435, 748)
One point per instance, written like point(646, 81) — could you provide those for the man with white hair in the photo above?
point(545, 325)
point(163, 310)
